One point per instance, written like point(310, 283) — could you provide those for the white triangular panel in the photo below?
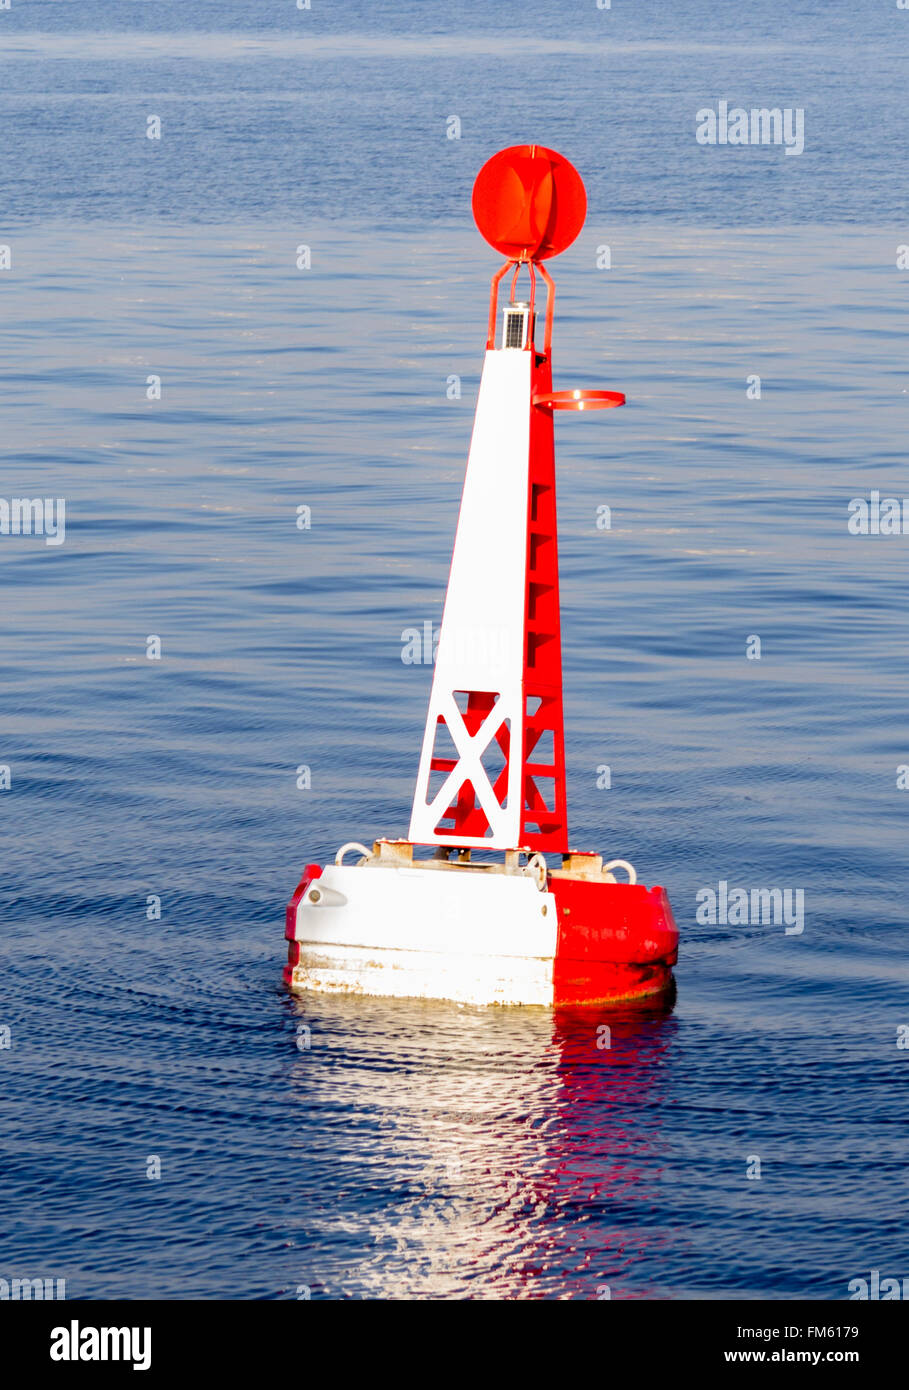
point(482, 638)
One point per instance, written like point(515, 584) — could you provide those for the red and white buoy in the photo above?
point(492, 769)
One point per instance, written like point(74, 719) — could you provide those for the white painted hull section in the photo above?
point(424, 975)
point(471, 937)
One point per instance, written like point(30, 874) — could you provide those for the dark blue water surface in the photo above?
point(430, 1150)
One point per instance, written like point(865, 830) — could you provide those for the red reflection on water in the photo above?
point(596, 1204)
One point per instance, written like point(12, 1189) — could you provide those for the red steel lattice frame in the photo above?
point(544, 816)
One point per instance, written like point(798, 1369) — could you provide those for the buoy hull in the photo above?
point(477, 935)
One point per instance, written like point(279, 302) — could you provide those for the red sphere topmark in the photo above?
point(529, 202)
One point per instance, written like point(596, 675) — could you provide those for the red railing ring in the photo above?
point(579, 400)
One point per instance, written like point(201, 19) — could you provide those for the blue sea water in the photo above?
point(415, 1149)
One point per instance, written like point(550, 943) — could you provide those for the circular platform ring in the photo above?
point(529, 202)
point(579, 400)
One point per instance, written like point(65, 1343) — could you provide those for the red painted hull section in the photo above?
point(290, 919)
point(615, 941)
